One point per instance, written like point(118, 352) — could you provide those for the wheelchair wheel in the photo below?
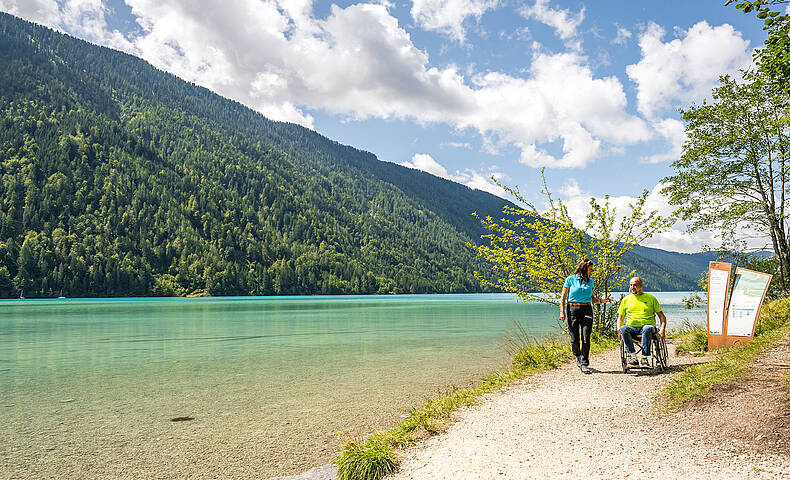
point(659, 359)
point(623, 358)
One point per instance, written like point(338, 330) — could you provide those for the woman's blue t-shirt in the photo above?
point(578, 291)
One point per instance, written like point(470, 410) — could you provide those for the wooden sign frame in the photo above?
point(719, 340)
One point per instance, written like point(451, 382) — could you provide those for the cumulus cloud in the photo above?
point(687, 68)
point(674, 133)
point(83, 18)
point(426, 163)
point(276, 57)
point(45, 12)
point(564, 23)
point(561, 102)
point(448, 16)
point(675, 239)
point(571, 188)
point(469, 177)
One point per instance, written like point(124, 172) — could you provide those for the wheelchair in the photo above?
point(658, 354)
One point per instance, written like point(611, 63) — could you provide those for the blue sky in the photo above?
point(464, 89)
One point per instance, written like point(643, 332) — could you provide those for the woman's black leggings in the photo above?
point(580, 320)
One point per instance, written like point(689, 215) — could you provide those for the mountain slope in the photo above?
point(120, 179)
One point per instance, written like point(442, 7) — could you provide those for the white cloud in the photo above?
point(623, 34)
point(564, 23)
point(426, 163)
point(479, 181)
point(674, 132)
point(675, 239)
point(559, 103)
point(464, 145)
point(570, 188)
point(45, 12)
point(82, 18)
point(276, 57)
point(448, 16)
point(470, 178)
point(685, 69)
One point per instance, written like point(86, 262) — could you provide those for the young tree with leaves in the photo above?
point(532, 252)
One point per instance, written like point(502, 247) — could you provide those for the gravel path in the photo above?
point(562, 424)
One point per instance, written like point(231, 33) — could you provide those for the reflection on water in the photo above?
point(274, 378)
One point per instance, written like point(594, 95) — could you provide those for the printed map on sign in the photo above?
point(747, 296)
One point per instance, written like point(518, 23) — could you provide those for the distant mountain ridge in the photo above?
point(120, 179)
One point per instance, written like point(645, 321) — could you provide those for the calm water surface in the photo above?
point(88, 387)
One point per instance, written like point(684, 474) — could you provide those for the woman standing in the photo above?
point(576, 308)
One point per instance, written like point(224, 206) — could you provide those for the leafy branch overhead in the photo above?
point(774, 58)
point(762, 8)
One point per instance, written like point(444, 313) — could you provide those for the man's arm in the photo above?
point(663, 330)
point(619, 323)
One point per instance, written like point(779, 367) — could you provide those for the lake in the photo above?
point(88, 387)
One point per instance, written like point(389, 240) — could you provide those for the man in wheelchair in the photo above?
point(639, 309)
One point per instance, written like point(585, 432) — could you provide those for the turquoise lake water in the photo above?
point(88, 386)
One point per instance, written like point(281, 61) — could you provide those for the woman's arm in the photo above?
point(563, 298)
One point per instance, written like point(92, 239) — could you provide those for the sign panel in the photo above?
point(718, 280)
point(747, 296)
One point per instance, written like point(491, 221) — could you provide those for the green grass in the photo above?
point(366, 460)
point(696, 381)
point(374, 457)
point(693, 338)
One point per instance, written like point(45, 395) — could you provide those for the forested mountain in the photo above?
point(119, 179)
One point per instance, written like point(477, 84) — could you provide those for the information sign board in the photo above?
point(747, 296)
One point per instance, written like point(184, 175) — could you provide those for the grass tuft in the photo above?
point(694, 338)
point(370, 460)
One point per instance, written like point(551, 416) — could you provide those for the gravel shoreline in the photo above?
point(563, 424)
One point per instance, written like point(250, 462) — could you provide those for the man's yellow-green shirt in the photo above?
point(639, 310)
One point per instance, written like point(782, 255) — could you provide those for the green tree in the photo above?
point(733, 173)
point(27, 269)
point(532, 252)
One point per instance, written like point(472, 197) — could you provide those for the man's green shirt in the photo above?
point(639, 310)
